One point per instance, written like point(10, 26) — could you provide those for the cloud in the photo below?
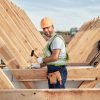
point(65, 13)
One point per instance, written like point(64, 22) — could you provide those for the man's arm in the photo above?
point(53, 57)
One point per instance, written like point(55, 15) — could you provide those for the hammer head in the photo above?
point(99, 45)
point(32, 53)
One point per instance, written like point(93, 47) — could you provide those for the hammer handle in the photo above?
point(32, 53)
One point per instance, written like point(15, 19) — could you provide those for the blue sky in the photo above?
point(65, 13)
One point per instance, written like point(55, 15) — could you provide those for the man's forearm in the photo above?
point(50, 59)
point(43, 65)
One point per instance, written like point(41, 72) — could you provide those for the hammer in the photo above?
point(32, 53)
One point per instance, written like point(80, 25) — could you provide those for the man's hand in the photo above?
point(40, 60)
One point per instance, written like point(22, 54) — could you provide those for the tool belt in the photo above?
point(54, 77)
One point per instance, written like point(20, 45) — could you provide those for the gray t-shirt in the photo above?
point(58, 43)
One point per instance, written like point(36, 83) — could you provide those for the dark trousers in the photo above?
point(63, 71)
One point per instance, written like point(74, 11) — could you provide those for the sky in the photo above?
point(66, 14)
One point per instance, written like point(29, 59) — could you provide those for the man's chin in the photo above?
point(48, 36)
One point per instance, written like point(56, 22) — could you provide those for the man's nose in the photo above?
point(45, 29)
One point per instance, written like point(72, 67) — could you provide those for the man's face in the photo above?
point(48, 31)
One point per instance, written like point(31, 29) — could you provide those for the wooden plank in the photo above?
point(11, 61)
point(14, 14)
point(13, 51)
point(95, 61)
point(7, 55)
point(33, 31)
point(95, 36)
point(16, 49)
point(26, 47)
point(78, 36)
point(77, 64)
point(28, 23)
point(19, 33)
point(84, 55)
point(7, 26)
point(5, 83)
point(49, 94)
point(41, 74)
point(82, 49)
point(79, 47)
point(90, 84)
point(16, 31)
point(92, 55)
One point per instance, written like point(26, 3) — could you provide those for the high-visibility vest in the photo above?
point(48, 52)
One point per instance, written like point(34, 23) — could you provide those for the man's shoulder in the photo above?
point(59, 37)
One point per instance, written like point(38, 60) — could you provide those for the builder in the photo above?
point(55, 56)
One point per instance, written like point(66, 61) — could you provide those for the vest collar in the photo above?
point(53, 35)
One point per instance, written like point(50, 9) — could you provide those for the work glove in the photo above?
point(40, 60)
point(34, 66)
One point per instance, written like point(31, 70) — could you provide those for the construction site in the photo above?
point(19, 36)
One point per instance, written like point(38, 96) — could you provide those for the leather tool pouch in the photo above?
point(54, 77)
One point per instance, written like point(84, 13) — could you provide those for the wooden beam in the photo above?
point(77, 64)
point(73, 74)
point(91, 84)
point(81, 46)
point(25, 34)
point(29, 25)
point(49, 94)
point(11, 39)
point(7, 55)
point(4, 81)
point(16, 37)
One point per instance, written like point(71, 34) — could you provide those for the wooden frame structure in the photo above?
point(5, 82)
point(45, 94)
point(75, 74)
point(18, 36)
